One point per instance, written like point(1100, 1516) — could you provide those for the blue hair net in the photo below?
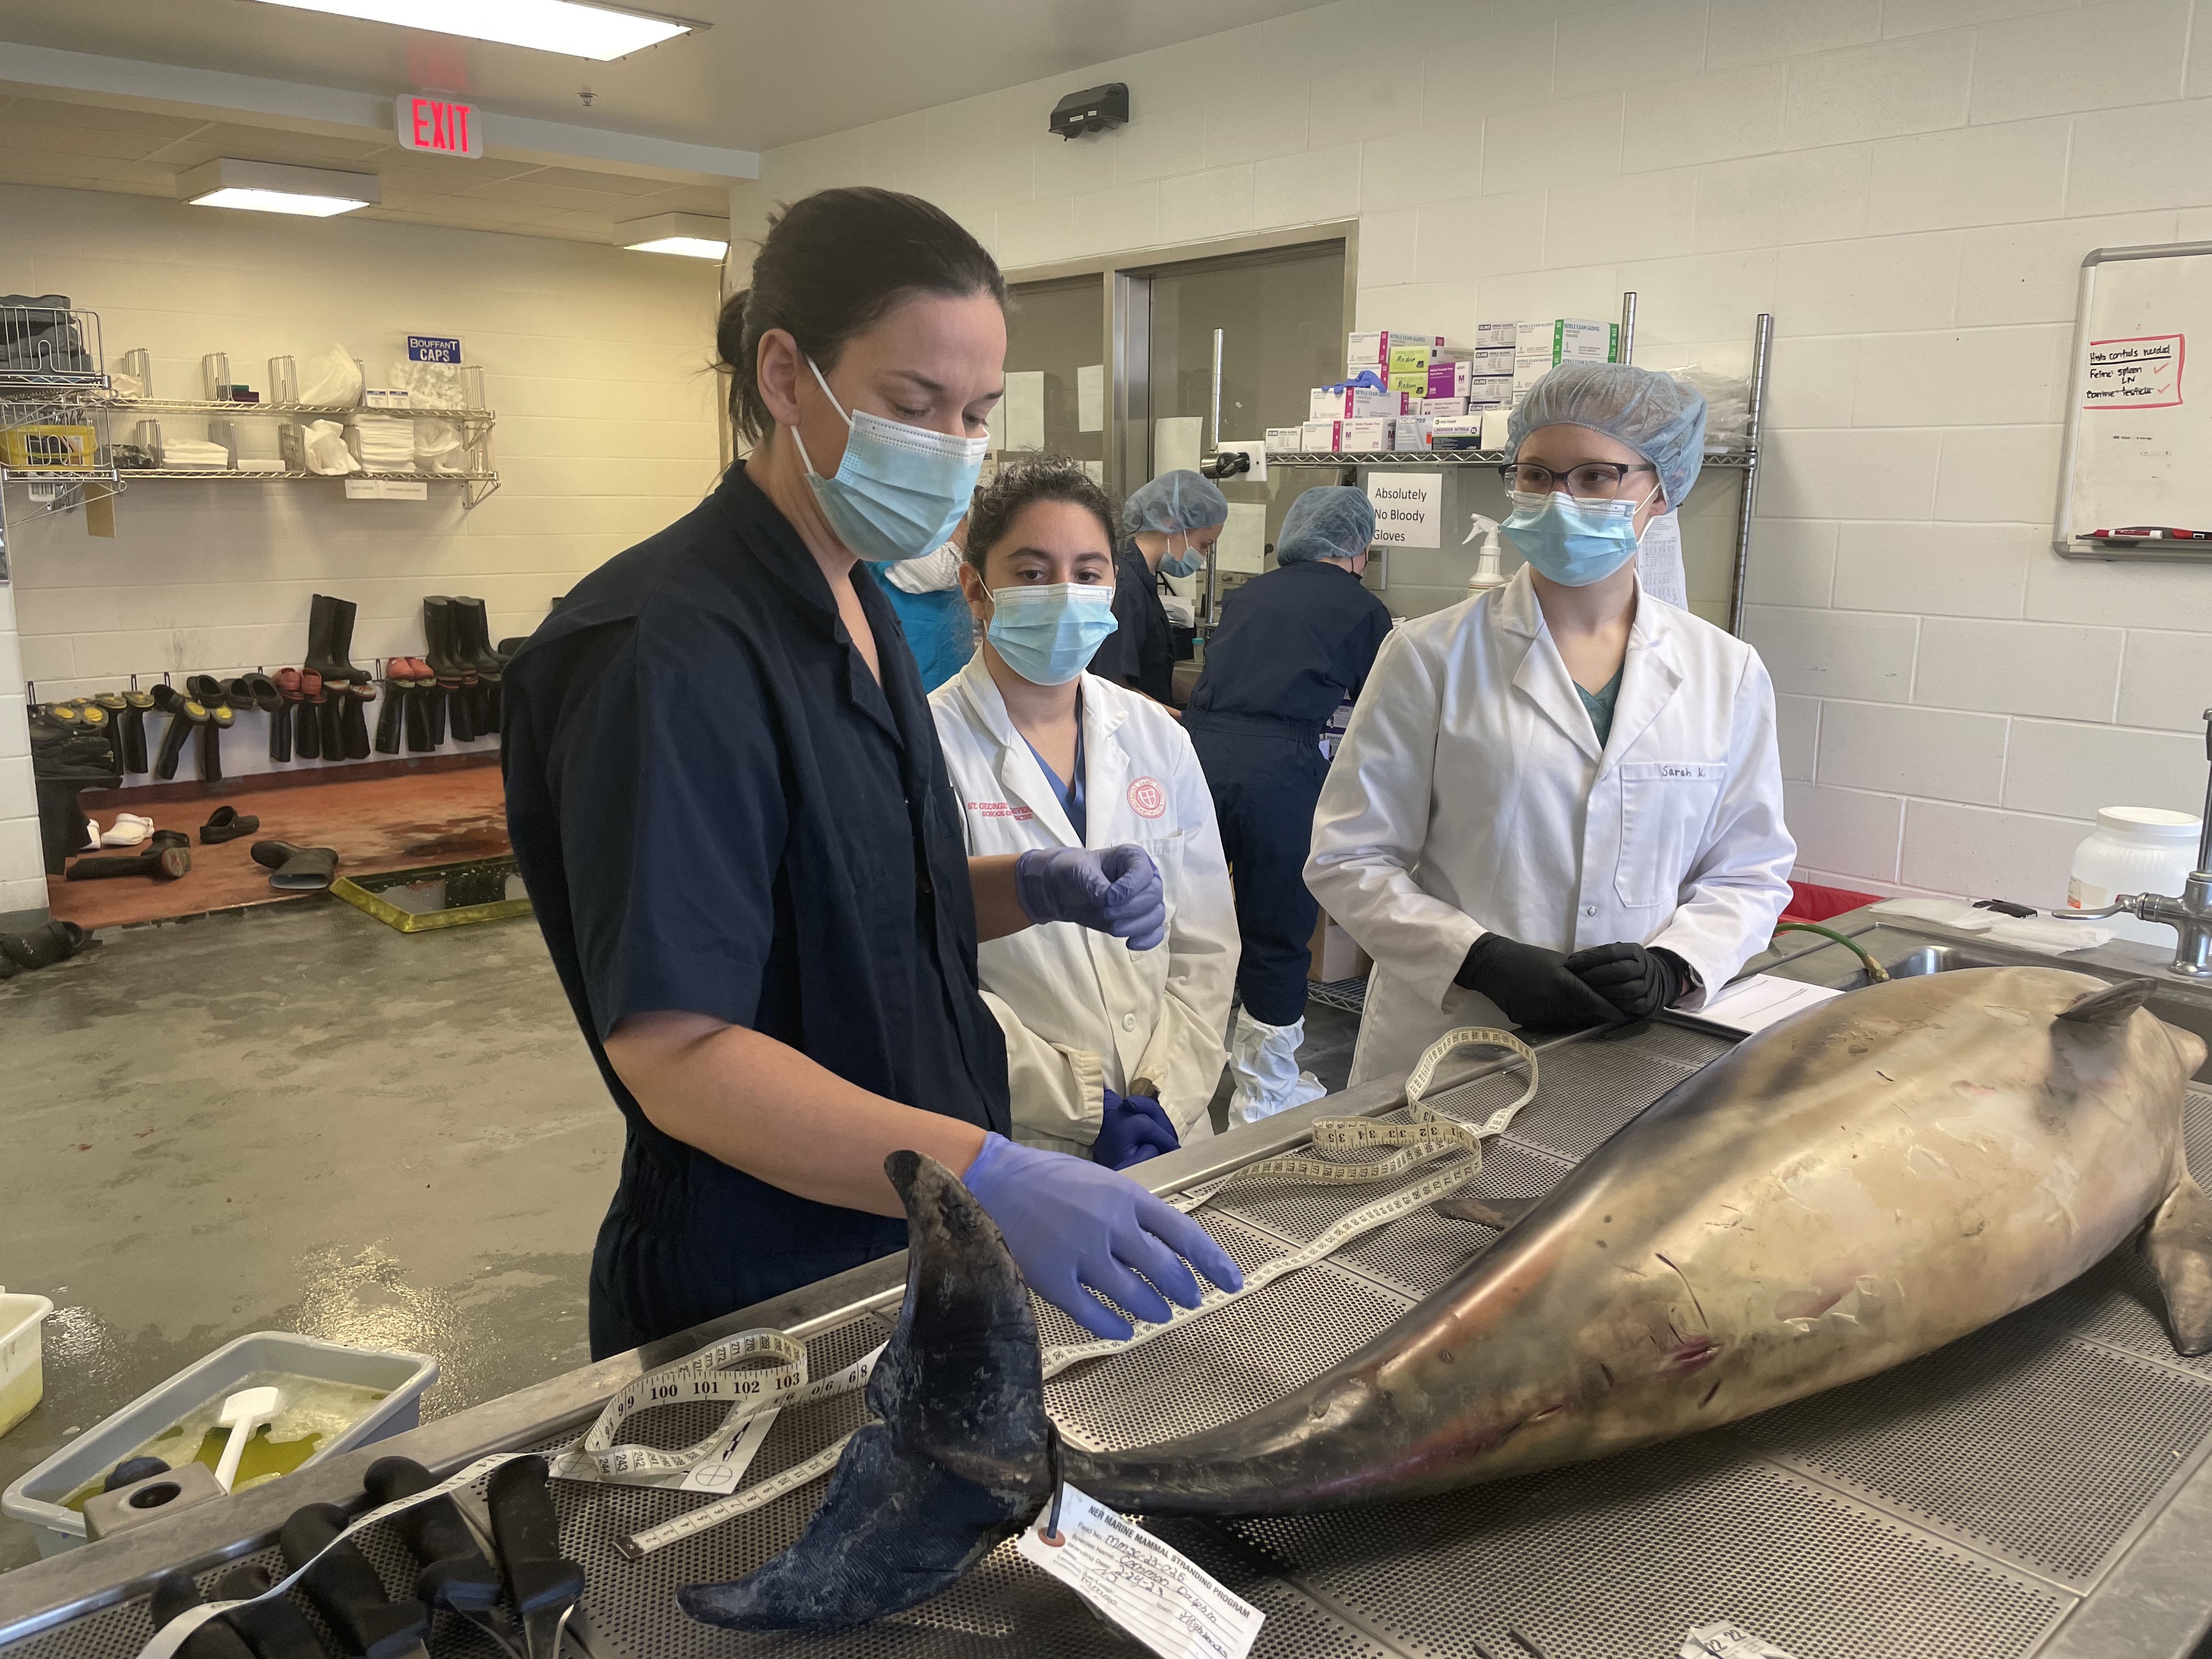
point(1329, 521)
point(1175, 502)
point(1660, 418)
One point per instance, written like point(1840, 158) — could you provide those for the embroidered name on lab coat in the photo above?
point(1000, 809)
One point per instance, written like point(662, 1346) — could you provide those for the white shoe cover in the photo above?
point(1264, 1061)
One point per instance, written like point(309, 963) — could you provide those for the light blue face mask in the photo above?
point(1048, 635)
point(1188, 562)
point(900, 488)
point(1574, 542)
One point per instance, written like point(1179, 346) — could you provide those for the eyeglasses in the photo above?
point(1586, 481)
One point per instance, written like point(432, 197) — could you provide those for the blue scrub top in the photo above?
point(1292, 644)
point(940, 629)
point(718, 810)
point(1071, 794)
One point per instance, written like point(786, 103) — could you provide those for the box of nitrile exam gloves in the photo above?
point(1456, 432)
point(1372, 349)
point(1409, 432)
point(1565, 338)
point(1357, 402)
point(1460, 377)
point(1286, 440)
point(1433, 407)
point(1497, 337)
point(1363, 434)
point(1318, 437)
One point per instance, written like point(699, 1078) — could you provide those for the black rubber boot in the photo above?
point(388, 718)
point(473, 627)
point(329, 718)
point(307, 719)
point(131, 724)
point(330, 640)
point(168, 855)
point(435, 709)
point(63, 827)
point(280, 723)
point(461, 712)
point(352, 719)
point(184, 715)
point(416, 719)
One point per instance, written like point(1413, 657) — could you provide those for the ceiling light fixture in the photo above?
point(695, 235)
point(562, 26)
point(277, 187)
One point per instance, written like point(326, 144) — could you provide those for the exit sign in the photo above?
point(443, 126)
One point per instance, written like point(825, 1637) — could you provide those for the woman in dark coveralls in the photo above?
point(1291, 645)
point(727, 800)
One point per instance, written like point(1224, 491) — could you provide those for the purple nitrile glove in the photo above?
point(1079, 1233)
point(1133, 1128)
point(1113, 889)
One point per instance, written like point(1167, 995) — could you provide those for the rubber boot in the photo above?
point(352, 719)
point(415, 719)
point(330, 640)
point(307, 719)
point(184, 715)
point(434, 702)
point(62, 821)
point(329, 720)
point(388, 718)
point(131, 723)
point(461, 712)
point(280, 723)
point(1264, 1061)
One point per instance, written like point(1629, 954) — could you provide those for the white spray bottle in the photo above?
point(1487, 574)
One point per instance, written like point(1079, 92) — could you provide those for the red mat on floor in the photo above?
point(376, 823)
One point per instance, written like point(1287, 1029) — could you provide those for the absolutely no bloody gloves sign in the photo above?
point(1408, 507)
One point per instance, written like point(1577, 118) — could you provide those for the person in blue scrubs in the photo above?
point(1170, 524)
point(1292, 645)
point(727, 800)
point(925, 596)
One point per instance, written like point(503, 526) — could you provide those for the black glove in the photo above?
point(1637, 981)
point(1530, 985)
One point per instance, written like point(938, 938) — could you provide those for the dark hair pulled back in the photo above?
point(1046, 479)
point(832, 264)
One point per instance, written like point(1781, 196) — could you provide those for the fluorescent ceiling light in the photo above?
point(692, 234)
point(277, 187)
point(563, 26)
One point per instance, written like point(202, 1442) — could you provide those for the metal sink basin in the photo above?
point(1907, 952)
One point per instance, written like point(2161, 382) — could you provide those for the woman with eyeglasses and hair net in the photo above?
point(1559, 803)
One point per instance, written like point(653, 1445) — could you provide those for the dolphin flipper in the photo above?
point(1498, 1212)
point(961, 1457)
point(2179, 1246)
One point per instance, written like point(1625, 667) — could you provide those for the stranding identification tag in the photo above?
point(1148, 1588)
point(1723, 1640)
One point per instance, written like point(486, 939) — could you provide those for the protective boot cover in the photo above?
point(1264, 1061)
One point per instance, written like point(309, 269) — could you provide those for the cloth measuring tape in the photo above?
point(733, 1369)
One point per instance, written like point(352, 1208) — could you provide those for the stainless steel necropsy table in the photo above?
point(2037, 1488)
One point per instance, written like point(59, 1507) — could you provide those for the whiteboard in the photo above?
point(2138, 444)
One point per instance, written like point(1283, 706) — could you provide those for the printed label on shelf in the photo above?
point(1150, 1589)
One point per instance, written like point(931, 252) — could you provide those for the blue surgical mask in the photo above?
point(1048, 635)
point(1188, 562)
point(900, 488)
point(1574, 542)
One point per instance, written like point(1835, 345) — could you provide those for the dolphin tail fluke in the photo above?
point(2179, 1246)
point(960, 1458)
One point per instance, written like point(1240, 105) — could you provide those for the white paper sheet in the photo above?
point(1659, 561)
point(1755, 1003)
point(1024, 405)
point(1096, 470)
point(1243, 544)
point(1091, 398)
point(1175, 443)
point(1148, 1588)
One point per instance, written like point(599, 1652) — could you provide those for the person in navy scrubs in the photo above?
point(1169, 523)
point(727, 800)
point(1291, 645)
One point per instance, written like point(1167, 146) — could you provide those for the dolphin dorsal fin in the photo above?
point(2112, 1006)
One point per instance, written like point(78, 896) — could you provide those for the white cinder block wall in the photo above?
point(1909, 186)
point(596, 359)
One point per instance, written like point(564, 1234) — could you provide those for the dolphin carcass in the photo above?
point(1848, 1189)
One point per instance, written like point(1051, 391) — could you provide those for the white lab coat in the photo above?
point(1469, 794)
point(1081, 1011)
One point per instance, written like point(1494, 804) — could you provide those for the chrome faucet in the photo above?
point(2188, 916)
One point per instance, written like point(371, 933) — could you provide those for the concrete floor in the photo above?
point(294, 1118)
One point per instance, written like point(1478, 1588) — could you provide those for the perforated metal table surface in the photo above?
point(2039, 1488)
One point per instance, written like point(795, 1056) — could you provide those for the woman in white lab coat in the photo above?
point(1109, 1051)
point(1559, 802)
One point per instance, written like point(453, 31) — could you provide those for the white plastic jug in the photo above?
point(2133, 849)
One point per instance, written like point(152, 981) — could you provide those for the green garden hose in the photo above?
point(1876, 972)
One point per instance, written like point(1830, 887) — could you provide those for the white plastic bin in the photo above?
point(38, 1497)
point(2133, 849)
point(22, 1374)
